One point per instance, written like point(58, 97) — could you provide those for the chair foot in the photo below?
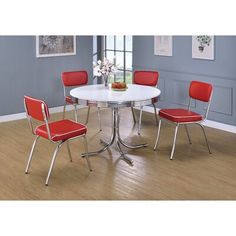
point(187, 132)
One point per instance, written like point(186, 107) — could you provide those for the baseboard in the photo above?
point(208, 123)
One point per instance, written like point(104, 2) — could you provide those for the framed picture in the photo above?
point(55, 45)
point(163, 45)
point(203, 47)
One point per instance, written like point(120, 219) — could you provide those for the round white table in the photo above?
point(135, 95)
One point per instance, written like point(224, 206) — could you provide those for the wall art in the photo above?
point(55, 45)
point(203, 47)
point(163, 45)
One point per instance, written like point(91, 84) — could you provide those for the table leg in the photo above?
point(116, 137)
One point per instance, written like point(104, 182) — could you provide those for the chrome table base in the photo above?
point(115, 138)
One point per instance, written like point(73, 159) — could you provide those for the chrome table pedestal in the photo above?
point(115, 138)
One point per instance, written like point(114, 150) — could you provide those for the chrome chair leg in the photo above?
point(87, 115)
point(174, 142)
point(99, 118)
point(140, 119)
point(155, 112)
point(31, 155)
point(86, 153)
point(186, 129)
point(76, 116)
point(68, 149)
point(52, 162)
point(132, 109)
point(158, 135)
point(204, 132)
point(64, 111)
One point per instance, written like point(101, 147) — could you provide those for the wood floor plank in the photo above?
point(193, 174)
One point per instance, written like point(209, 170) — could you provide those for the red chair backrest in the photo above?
point(34, 108)
point(200, 91)
point(74, 78)
point(149, 78)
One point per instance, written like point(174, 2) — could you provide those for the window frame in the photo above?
point(124, 51)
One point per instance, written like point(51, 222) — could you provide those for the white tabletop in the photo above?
point(99, 93)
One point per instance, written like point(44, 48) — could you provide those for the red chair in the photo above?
point(148, 78)
point(72, 79)
point(59, 132)
point(198, 91)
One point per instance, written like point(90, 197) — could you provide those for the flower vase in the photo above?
point(105, 79)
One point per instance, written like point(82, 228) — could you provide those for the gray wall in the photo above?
point(177, 71)
point(21, 73)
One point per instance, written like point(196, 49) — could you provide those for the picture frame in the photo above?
point(163, 45)
point(203, 47)
point(55, 45)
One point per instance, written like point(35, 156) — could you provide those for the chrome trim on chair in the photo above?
point(134, 118)
point(204, 132)
point(86, 153)
point(28, 118)
point(99, 118)
point(155, 112)
point(158, 135)
point(140, 119)
point(68, 149)
point(208, 106)
point(87, 118)
point(52, 162)
point(64, 111)
point(46, 122)
point(31, 155)
point(64, 108)
point(76, 115)
point(187, 132)
point(174, 141)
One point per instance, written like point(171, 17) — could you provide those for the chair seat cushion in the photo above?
point(61, 130)
point(179, 115)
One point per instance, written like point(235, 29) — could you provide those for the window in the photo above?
point(119, 49)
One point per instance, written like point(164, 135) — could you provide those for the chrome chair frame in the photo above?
point(59, 144)
point(186, 128)
point(140, 116)
point(75, 109)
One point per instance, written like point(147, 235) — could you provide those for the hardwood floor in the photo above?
point(193, 174)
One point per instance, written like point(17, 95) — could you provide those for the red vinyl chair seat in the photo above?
point(61, 130)
point(180, 115)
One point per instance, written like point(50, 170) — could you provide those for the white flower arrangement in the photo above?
point(104, 68)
